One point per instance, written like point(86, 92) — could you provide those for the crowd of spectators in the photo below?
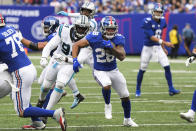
point(116, 6)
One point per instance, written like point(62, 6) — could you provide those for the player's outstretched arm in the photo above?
point(160, 41)
point(68, 14)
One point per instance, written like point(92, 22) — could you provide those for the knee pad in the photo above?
point(59, 85)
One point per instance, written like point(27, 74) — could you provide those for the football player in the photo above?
point(59, 68)
point(190, 115)
point(107, 45)
point(153, 27)
point(50, 24)
point(23, 74)
point(85, 56)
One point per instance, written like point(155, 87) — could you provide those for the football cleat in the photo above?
point(36, 125)
point(173, 92)
point(59, 116)
point(189, 116)
point(129, 122)
point(40, 103)
point(137, 93)
point(79, 98)
point(108, 111)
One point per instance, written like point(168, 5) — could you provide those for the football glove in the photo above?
point(76, 65)
point(107, 44)
point(3, 67)
point(43, 62)
point(189, 60)
point(62, 13)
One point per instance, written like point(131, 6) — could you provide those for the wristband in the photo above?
point(33, 46)
point(160, 41)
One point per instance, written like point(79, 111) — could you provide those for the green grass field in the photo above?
point(155, 110)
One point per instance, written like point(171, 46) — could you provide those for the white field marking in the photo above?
point(173, 71)
point(87, 113)
point(96, 126)
point(126, 59)
point(135, 101)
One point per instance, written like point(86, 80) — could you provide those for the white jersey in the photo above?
point(62, 40)
point(93, 22)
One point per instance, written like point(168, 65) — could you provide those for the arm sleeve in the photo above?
point(52, 44)
point(149, 32)
point(73, 14)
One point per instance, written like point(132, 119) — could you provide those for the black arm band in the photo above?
point(33, 46)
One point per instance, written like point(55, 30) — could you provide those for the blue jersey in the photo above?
point(102, 60)
point(152, 28)
point(11, 49)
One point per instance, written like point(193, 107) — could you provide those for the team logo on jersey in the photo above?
point(37, 31)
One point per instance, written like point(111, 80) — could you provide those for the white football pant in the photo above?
point(114, 78)
point(156, 52)
point(5, 87)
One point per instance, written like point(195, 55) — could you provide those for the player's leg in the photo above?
point(5, 87)
point(104, 81)
point(77, 96)
point(190, 115)
point(64, 75)
point(49, 79)
point(119, 85)
point(163, 60)
point(23, 79)
point(145, 59)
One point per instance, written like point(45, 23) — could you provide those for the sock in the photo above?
point(43, 93)
point(193, 106)
point(54, 98)
point(47, 99)
point(139, 79)
point(34, 118)
point(127, 108)
point(106, 95)
point(168, 77)
point(73, 87)
point(37, 112)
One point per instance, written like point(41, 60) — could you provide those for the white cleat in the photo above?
point(129, 122)
point(108, 111)
point(59, 116)
point(189, 116)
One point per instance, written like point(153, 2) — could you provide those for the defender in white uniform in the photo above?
point(58, 68)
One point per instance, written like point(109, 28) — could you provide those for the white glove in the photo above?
point(43, 62)
point(3, 67)
point(59, 57)
point(189, 61)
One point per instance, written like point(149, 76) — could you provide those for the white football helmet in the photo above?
point(81, 26)
point(88, 6)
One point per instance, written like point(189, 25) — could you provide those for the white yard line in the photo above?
point(96, 126)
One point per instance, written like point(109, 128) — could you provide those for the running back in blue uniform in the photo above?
point(107, 45)
point(103, 60)
point(11, 49)
point(152, 28)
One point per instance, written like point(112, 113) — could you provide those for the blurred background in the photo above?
point(27, 15)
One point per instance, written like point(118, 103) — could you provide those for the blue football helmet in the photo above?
point(49, 25)
point(2, 21)
point(108, 27)
point(157, 8)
